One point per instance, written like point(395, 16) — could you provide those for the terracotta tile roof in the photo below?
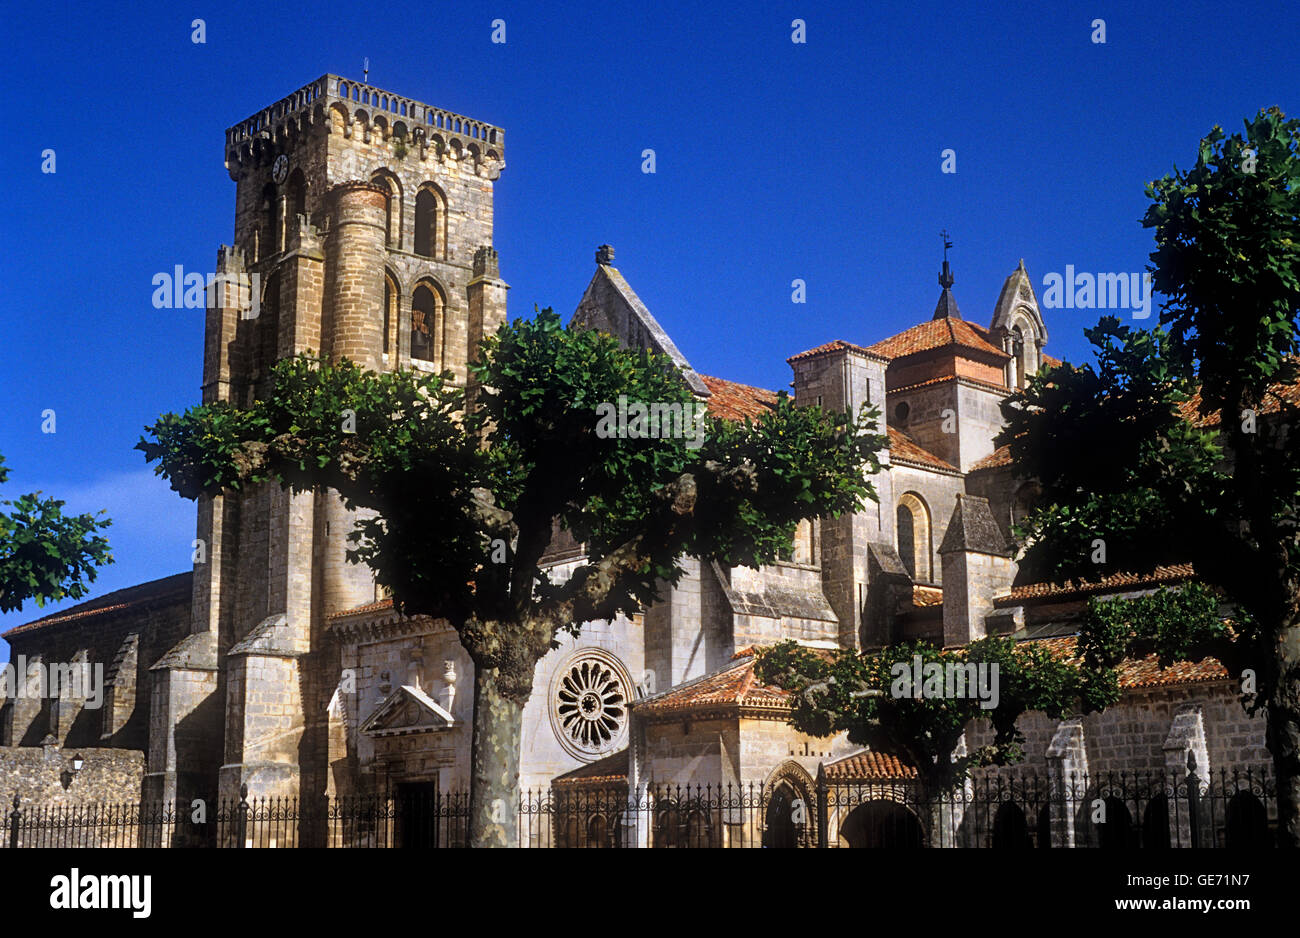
point(734, 687)
point(942, 379)
point(999, 457)
point(926, 596)
point(732, 401)
point(834, 345)
point(903, 447)
point(1172, 573)
point(1273, 401)
point(938, 333)
point(608, 770)
point(1144, 672)
point(868, 766)
point(168, 589)
point(1049, 360)
point(362, 610)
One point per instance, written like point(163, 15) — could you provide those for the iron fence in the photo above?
point(1002, 810)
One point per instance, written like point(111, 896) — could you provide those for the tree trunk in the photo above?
point(494, 783)
point(1283, 734)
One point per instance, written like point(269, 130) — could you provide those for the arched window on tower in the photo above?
point(390, 311)
point(913, 521)
point(297, 193)
point(267, 328)
point(271, 217)
point(426, 223)
point(1018, 353)
point(426, 324)
point(1024, 352)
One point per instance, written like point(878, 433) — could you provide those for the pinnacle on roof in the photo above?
point(946, 308)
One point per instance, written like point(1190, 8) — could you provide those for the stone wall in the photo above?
point(118, 643)
point(42, 775)
point(1130, 736)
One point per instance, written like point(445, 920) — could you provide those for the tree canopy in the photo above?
point(46, 555)
point(462, 501)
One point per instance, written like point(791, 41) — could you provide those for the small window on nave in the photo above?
point(912, 518)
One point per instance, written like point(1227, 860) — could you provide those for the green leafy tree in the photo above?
point(46, 555)
point(1174, 446)
point(457, 488)
point(870, 695)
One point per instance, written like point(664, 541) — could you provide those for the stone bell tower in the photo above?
point(363, 229)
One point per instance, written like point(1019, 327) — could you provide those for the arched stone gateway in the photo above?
point(882, 823)
point(788, 818)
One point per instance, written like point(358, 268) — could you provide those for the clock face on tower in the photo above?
point(280, 168)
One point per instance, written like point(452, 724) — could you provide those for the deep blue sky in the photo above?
point(776, 161)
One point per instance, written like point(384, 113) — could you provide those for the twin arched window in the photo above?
point(430, 216)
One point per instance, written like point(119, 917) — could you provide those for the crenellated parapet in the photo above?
point(331, 104)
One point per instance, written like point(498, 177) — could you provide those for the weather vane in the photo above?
point(946, 242)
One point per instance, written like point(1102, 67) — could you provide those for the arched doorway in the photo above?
point(1010, 829)
point(1115, 831)
point(788, 807)
point(1247, 822)
point(882, 824)
point(1155, 823)
point(786, 820)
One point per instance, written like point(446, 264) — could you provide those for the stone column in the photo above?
point(487, 303)
point(1067, 769)
point(1185, 748)
point(636, 821)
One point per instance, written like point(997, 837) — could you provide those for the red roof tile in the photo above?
point(867, 766)
point(732, 401)
point(168, 589)
point(361, 610)
point(999, 457)
point(732, 688)
point(835, 345)
point(1172, 573)
point(938, 333)
point(608, 770)
point(1144, 672)
point(903, 448)
point(926, 596)
point(1273, 401)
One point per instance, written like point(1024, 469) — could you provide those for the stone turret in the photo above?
point(846, 377)
point(354, 263)
point(977, 566)
point(487, 298)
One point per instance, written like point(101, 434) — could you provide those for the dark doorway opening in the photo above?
point(882, 824)
point(417, 814)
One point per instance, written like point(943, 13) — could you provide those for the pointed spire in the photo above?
point(946, 308)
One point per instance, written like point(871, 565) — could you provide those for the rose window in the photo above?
point(589, 709)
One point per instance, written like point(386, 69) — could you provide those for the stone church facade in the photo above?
point(367, 218)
